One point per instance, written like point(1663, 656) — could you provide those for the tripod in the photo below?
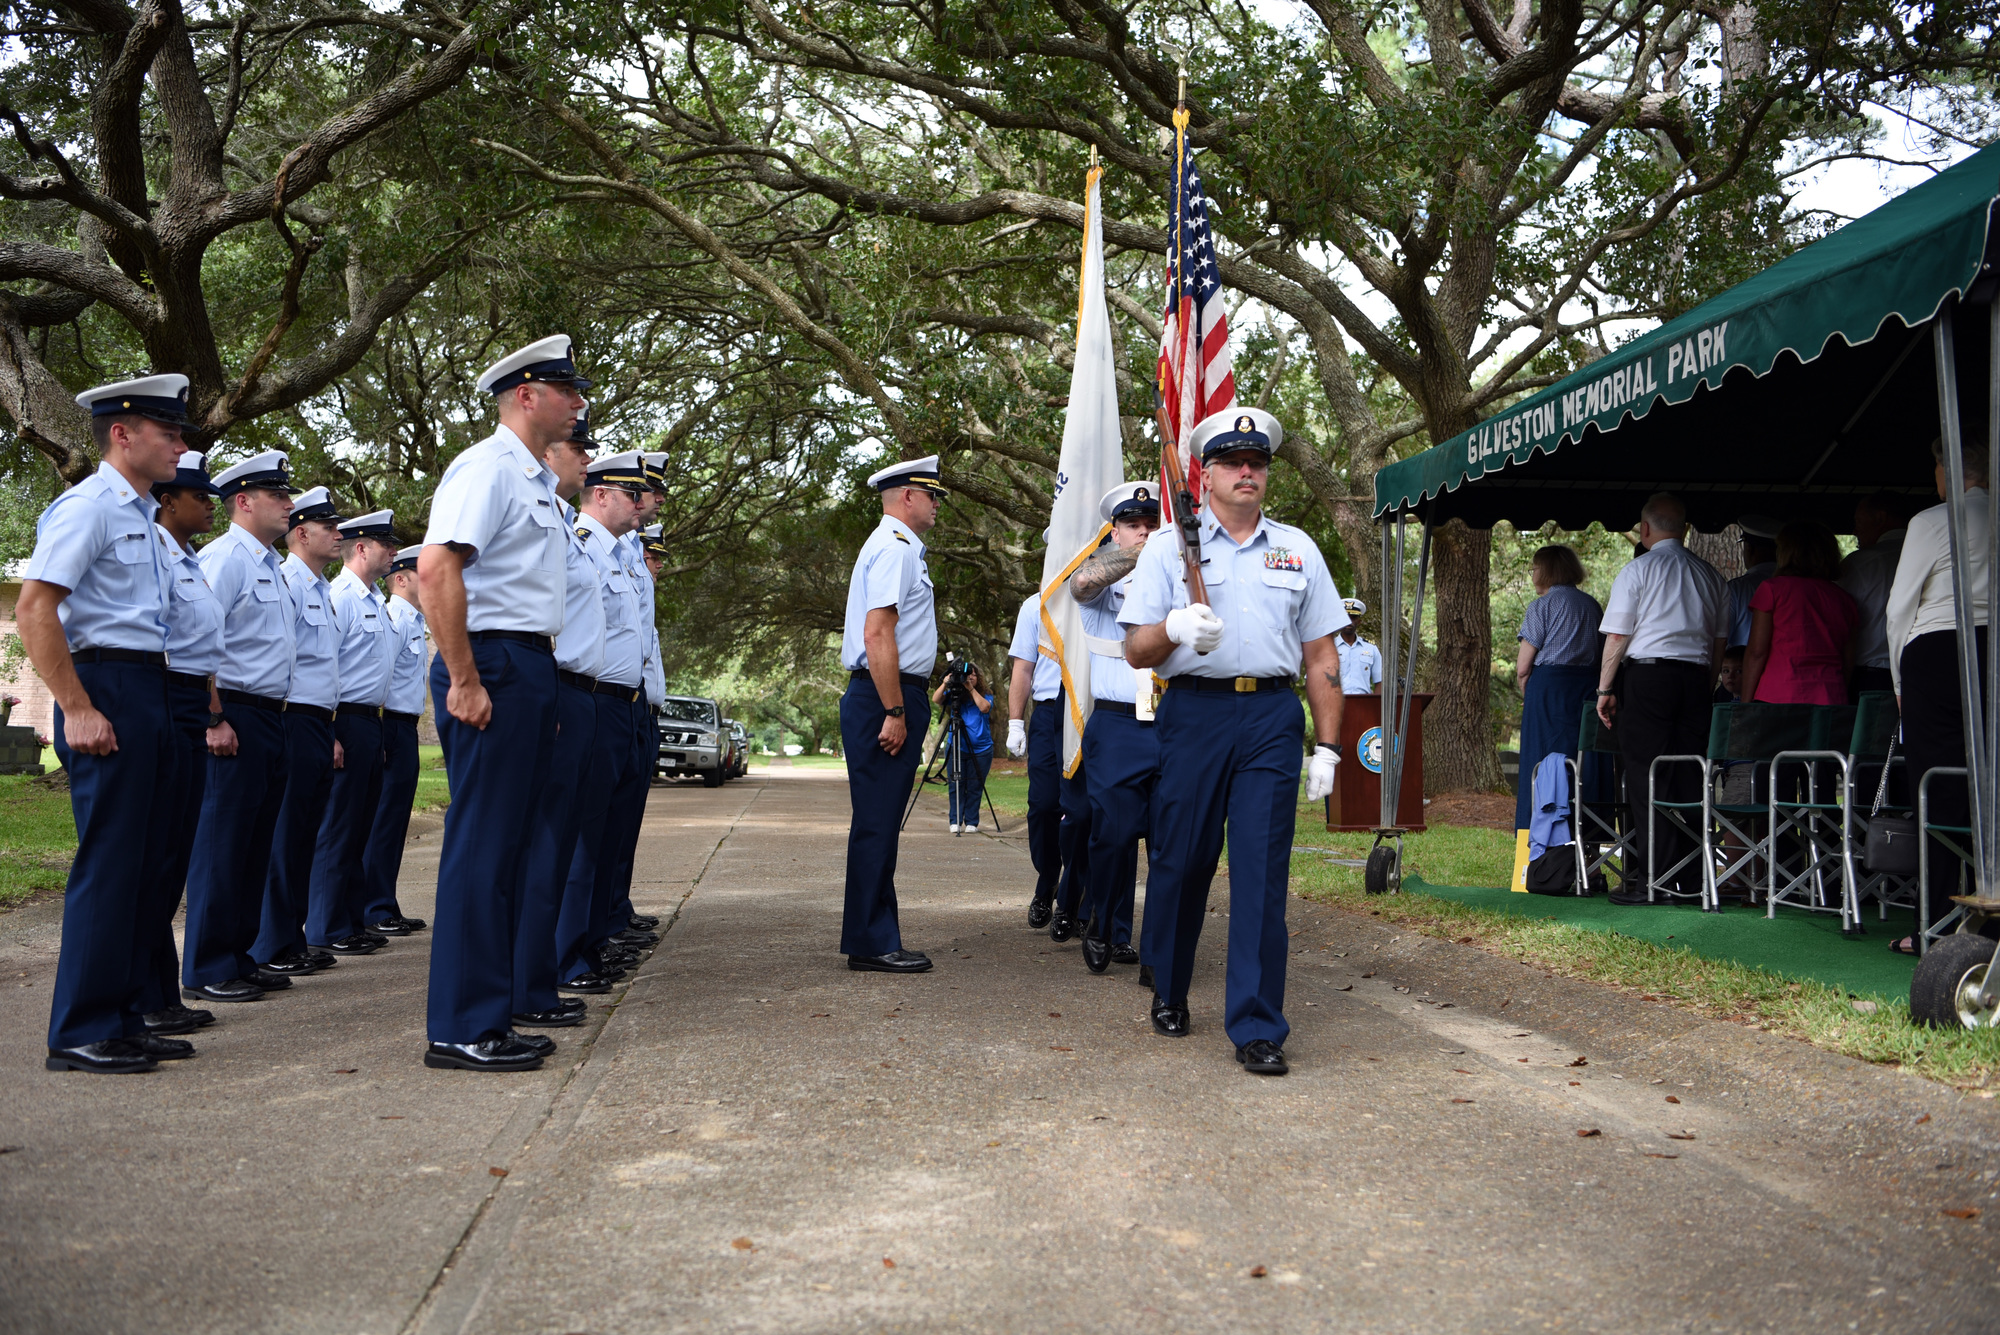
point(954, 748)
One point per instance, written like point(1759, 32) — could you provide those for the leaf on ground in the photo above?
point(1461, 1072)
point(1345, 987)
point(743, 1244)
point(887, 1067)
point(1369, 974)
point(497, 1172)
point(1581, 1061)
point(888, 1264)
point(1055, 1015)
point(822, 1015)
point(12, 1149)
point(1465, 940)
point(1655, 1154)
point(1258, 1272)
point(1576, 1084)
point(1680, 1135)
point(1054, 1048)
point(1968, 1212)
point(1461, 1100)
point(346, 1070)
point(1925, 1118)
point(992, 1144)
point(393, 1117)
point(1588, 1131)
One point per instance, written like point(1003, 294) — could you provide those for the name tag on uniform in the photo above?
point(1278, 558)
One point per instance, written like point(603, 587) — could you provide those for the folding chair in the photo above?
point(1957, 840)
point(1738, 733)
point(1875, 724)
point(1605, 837)
point(1817, 825)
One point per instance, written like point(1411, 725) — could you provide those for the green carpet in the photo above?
point(1795, 944)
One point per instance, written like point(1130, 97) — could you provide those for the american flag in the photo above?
point(1195, 375)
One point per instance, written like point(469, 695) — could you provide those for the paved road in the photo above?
point(752, 1138)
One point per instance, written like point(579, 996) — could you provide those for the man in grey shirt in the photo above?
point(1867, 575)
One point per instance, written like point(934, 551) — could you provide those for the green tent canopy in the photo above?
point(1794, 393)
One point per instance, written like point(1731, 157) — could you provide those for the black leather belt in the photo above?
point(542, 642)
point(400, 717)
point(118, 656)
point(863, 674)
point(193, 681)
point(310, 711)
point(365, 711)
point(615, 691)
point(1124, 707)
point(1240, 685)
point(576, 679)
point(254, 701)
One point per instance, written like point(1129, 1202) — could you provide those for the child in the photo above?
point(1729, 681)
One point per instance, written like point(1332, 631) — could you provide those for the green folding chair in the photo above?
point(1957, 841)
point(1738, 733)
point(1814, 823)
point(1876, 722)
point(1604, 834)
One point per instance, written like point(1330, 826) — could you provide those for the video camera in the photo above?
point(956, 671)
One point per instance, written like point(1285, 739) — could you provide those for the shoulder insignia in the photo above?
point(582, 533)
point(900, 538)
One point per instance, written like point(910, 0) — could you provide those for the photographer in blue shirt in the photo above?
point(968, 786)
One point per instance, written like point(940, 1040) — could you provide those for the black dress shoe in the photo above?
point(637, 938)
point(575, 1004)
point(358, 944)
point(896, 961)
point(296, 965)
point(1062, 926)
point(388, 927)
point(1633, 899)
point(236, 989)
point(488, 1054)
point(587, 982)
point(1038, 913)
point(413, 924)
point(541, 1047)
point(376, 937)
point(202, 1019)
point(269, 981)
point(114, 1056)
point(559, 1018)
point(1261, 1056)
point(645, 922)
point(1145, 975)
point(1096, 954)
point(1170, 1021)
point(325, 959)
point(170, 1022)
point(163, 1049)
point(1124, 954)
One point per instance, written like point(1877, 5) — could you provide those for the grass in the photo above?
point(37, 838)
point(1812, 1012)
point(433, 790)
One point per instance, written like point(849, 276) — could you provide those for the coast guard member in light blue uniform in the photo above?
point(1120, 750)
point(194, 652)
point(1039, 738)
point(338, 900)
point(1230, 729)
point(1360, 661)
point(494, 570)
point(312, 751)
point(888, 646)
point(382, 861)
point(92, 616)
point(246, 767)
point(621, 844)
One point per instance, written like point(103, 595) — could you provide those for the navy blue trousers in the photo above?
point(382, 860)
point(1226, 760)
point(497, 775)
point(969, 789)
point(647, 740)
point(1123, 757)
point(189, 706)
point(124, 805)
point(1045, 796)
point(288, 881)
point(878, 788)
point(338, 897)
point(586, 890)
point(549, 850)
point(226, 885)
point(1551, 715)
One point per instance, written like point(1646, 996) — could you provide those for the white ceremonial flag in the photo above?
point(1092, 463)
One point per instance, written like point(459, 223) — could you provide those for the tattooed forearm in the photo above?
point(1101, 569)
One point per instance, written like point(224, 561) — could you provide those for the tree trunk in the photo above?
point(1459, 755)
point(1722, 550)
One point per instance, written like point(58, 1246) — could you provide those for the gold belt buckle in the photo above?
point(1246, 685)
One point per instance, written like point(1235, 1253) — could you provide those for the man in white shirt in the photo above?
point(1866, 574)
point(1665, 626)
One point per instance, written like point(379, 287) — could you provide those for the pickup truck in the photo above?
point(692, 740)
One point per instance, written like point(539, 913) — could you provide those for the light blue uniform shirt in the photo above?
point(580, 646)
point(1360, 667)
point(406, 676)
point(1273, 594)
point(315, 637)
point(194, 617)
point(500, 501)
point(1111, 678)
point(618, 591)
point(1026, 647)
point(257, 614)
point(890, 572)
point(653, 671)
point(367, 641)
point(98, 540)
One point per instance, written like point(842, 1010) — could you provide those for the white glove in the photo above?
point(1017, 737)
point(1320, 771)
point(1195, 627)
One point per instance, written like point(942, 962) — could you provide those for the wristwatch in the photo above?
point(1334, 747)
point(895, 711)
point(1603, 691)
point(217, 720)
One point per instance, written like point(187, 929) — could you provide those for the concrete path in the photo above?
point(751, 1137)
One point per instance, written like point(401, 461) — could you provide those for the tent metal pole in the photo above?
point(1404, 696)
point(1392, 635)
point(1989, 827)
point(1977, 777)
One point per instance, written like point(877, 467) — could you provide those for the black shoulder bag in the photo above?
point(1892, 840)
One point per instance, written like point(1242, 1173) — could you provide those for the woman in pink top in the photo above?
point(1802, 624)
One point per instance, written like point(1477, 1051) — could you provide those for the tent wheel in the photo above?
point(1945, 989)
point(1382, 875)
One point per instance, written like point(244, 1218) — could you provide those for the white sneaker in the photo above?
point(953, 829)
point(972, 829)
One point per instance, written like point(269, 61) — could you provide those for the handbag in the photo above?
point(1892, 840)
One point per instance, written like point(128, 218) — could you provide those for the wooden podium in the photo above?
point(1356, 801)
